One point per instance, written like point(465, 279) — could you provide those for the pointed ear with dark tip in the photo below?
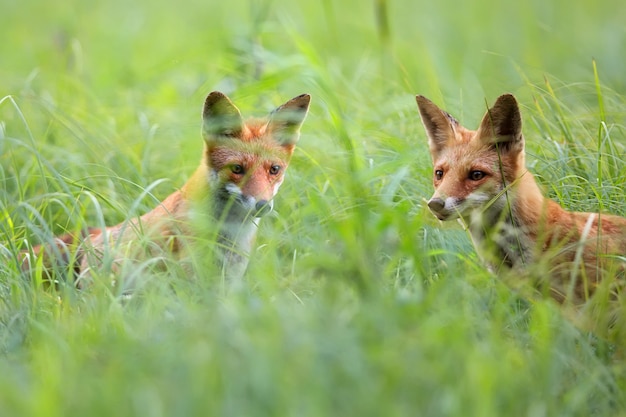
point(220, 117)
point(439, 125)
point(286, 120)
point(502, 124)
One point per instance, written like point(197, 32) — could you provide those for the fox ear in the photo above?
point(439, 125)
point(220, 117)
point(502, 124)
point(286, 120)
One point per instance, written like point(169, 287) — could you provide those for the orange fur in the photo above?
point(481, 178)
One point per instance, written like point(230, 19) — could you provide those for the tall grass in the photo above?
point(357, 301)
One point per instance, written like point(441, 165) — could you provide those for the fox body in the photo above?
point(480, 177)
point(240, 172)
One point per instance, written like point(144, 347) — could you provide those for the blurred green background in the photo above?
point(358, 302)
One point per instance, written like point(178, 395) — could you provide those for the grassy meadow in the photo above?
point(357, 302)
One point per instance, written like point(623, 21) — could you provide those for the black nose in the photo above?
point(262, 207)
point(436, 205)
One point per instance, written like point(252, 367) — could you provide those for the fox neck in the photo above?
point(506, 232)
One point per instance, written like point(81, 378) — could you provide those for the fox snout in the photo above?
point(445, 209)
point(437, 206)
point(257, 208)
point(263, 207)
point(244, 203)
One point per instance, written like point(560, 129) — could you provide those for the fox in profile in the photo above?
point(480, 177)
point(241, 169)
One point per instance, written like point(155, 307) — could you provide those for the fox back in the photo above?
point(480, 177)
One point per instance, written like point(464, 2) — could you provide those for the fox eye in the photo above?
point(237, 169)
point(438, 174)
point(274, 169)
point(476, 175)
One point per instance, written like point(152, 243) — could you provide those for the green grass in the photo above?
point(358, 302)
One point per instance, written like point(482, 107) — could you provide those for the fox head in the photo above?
point(246, 161)
point(473, 169)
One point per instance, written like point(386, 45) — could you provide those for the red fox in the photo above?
point(480, 177)
point(241, 169)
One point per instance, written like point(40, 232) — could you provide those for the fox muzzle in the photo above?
point(263, 207)
point(439, 208)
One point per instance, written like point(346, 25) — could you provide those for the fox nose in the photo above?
point(262, 207)
point(436, 205)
